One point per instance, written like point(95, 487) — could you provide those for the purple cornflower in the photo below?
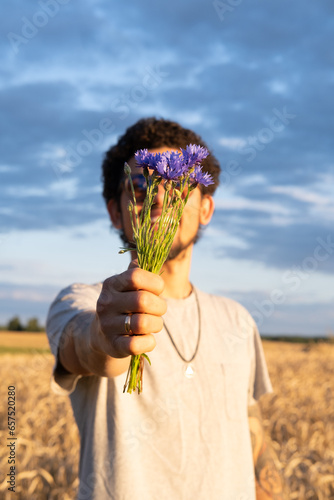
point(171, 166)
point(200, 177)
point(193, 155)
point(144, 158)
point(149, 160)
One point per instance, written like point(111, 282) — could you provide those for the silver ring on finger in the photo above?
point(127, 324)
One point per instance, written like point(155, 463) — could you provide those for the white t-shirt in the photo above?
point(182, 438)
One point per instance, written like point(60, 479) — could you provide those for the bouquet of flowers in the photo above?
point(180, 172)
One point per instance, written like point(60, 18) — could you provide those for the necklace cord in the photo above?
point(198, 337)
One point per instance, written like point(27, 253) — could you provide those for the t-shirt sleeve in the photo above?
point(70, 302)
point(259, 378)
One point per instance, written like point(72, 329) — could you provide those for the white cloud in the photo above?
point(233, 143)
point(239, 203)
point(67, 188)
point(252, 180)
point(278, 87)
point(27, 294)
point(8, 168)
point(319, 198)
point(301, 194)
point(190, 118)
point(26, 192)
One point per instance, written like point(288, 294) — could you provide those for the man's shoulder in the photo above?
point(80, 289)
point(77, 293)
point(75, 298)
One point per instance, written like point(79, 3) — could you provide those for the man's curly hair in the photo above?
point(150, 133)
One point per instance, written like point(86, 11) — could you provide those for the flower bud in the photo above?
point(127, 169)
point(146, 172)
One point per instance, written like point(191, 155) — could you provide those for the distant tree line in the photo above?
point(15, 325)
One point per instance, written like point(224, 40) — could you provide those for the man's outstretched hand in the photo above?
point(134, 292)
point(97, 342)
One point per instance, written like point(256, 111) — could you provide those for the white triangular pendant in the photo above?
point(189, 371)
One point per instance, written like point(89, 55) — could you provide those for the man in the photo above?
point(187, 436)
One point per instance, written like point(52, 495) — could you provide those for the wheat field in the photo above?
point(299, 418)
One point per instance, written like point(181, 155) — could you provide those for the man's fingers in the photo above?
point(126, 345)
point(140, 324)
point(130, 302)
point(129, 311)
point(135, 279)
point(140, 302)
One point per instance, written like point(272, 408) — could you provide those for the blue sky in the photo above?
point(255, 79)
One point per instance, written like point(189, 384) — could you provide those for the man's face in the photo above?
point(189, 226)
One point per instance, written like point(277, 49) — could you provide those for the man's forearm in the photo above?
point(269, 485)
point(77, 355)
point(267, 478)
